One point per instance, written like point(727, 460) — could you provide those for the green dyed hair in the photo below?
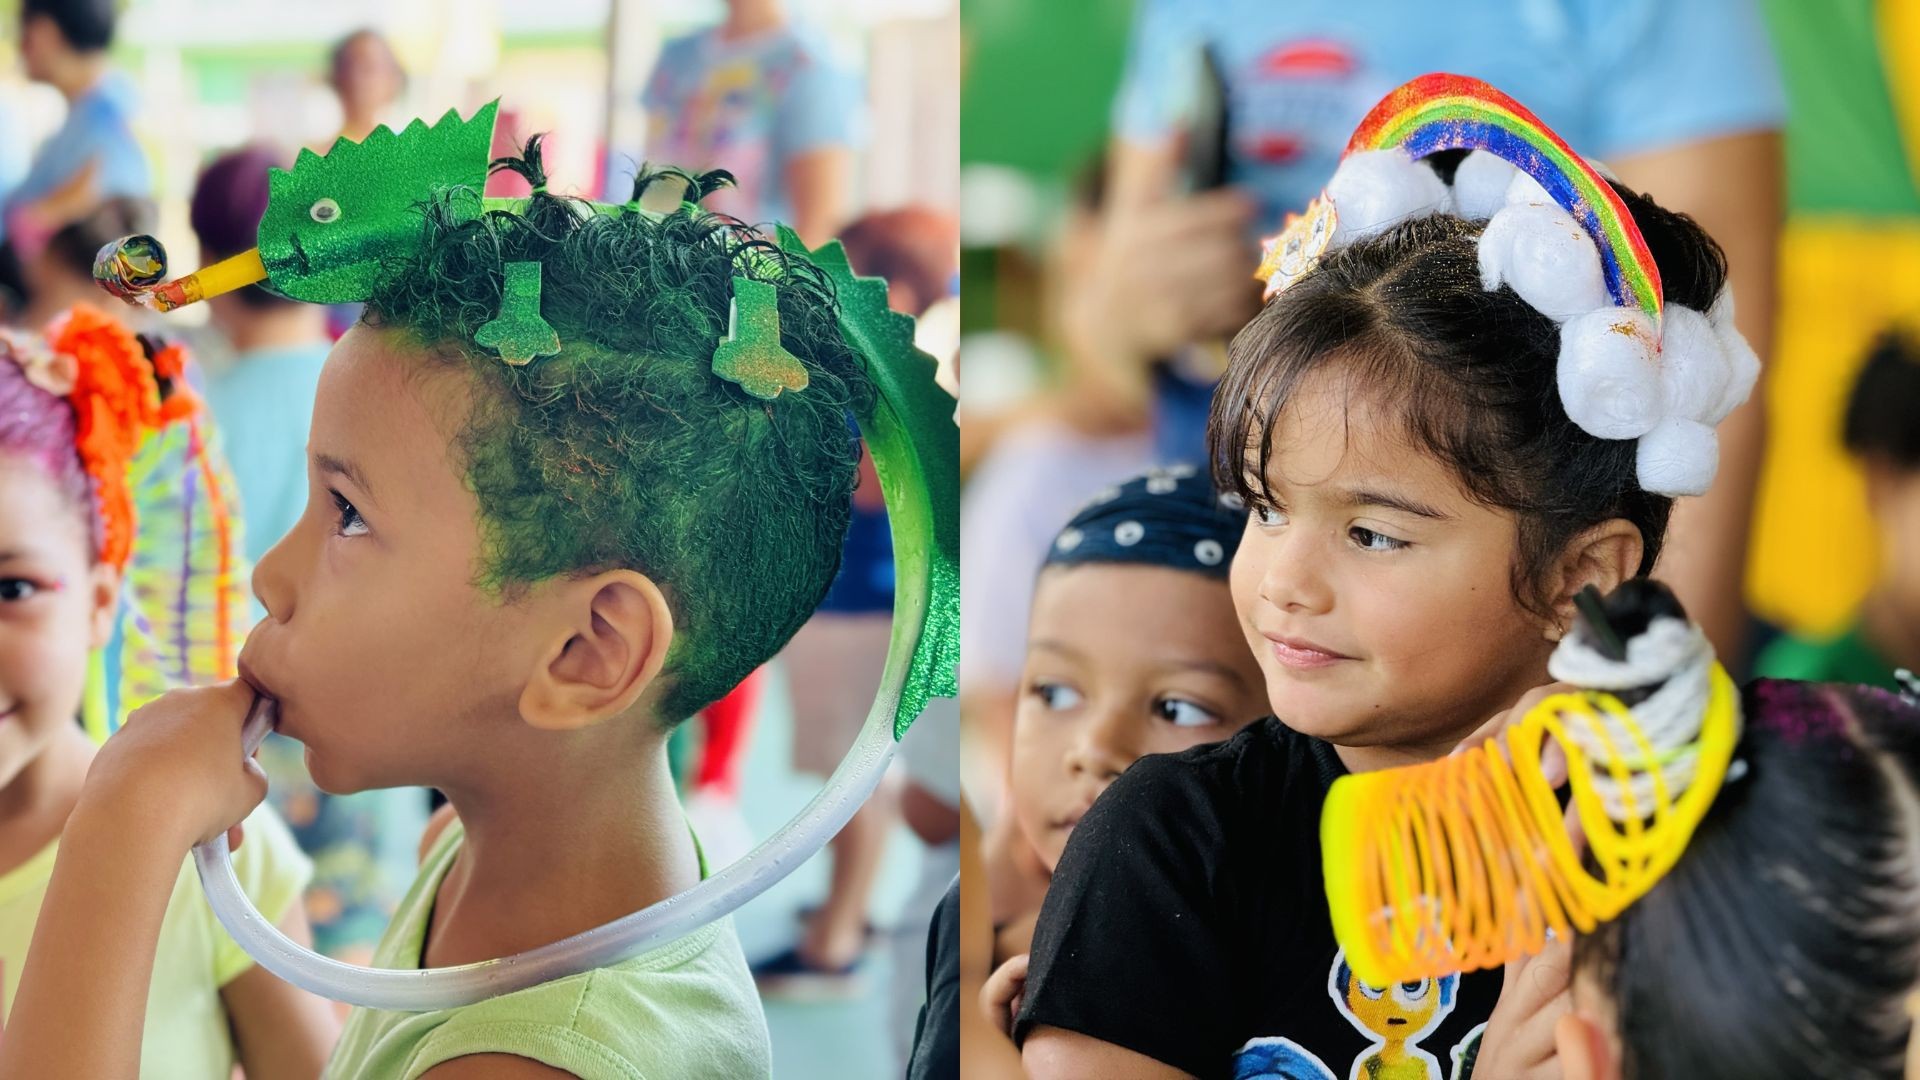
point(624, 450)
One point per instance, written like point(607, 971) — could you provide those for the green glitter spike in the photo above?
point(518, 333)
point(752, 355)
point(916, 450)
point(333, 220)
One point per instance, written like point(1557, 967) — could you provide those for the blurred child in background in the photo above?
point(60, 275)
point(1883, 433)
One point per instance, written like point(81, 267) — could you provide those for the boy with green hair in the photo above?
point(578, 472)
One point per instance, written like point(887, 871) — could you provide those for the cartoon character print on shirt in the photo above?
point(724, 121)
point(1291, 96)
point(1396, 1018)
point(1291, 106)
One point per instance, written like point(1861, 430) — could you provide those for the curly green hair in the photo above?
point(624, 450)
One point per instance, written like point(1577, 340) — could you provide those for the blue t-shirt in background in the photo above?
point(98, 128)
point(750, 106)
point(1612, 77)
point(264, 406)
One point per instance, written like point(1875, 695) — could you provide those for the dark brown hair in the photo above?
point(1886, 399)
point(1785, 942)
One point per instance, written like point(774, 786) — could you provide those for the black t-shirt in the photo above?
point(1187, 921)
point(936, 1035)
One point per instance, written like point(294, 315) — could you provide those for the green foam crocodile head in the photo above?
point(334, 219)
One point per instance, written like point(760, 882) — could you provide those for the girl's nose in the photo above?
point(1294, 578)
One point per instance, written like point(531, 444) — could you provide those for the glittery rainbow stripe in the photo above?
point(1453, 112)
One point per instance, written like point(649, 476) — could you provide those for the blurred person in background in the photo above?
point(263, 397)
point(16, 151)
point(94, 154)
point(366, 75)
point(1041, 466)
point(1232, 113)
point(762, 98)
point(1881, 432)
point(60, 275)
point(364, 845)
point(1849, 268)
point(834, 663)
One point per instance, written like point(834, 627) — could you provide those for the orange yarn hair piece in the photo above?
point(116, 402)
point(170, 364)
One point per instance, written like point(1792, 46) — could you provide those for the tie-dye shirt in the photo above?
point(749, 106)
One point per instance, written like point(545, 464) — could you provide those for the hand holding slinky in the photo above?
point(1518, 1043)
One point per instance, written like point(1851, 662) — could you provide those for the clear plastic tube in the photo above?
point(445, 988)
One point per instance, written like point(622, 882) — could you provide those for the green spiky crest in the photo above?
point(333, 254)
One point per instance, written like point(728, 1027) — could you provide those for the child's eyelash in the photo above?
point(350, 519)
point(1362, 535)
point(1053, 694)
point(14, 589)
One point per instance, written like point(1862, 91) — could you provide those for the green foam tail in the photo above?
point(915, 444)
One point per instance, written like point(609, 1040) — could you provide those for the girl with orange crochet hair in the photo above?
point(103, 604)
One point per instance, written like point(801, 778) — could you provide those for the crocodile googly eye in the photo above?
point(326, 211)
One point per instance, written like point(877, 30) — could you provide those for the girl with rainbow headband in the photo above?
point(115, 543)
point(1482, 375)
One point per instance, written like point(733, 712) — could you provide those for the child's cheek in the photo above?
point(1409, 614)
point(1038, 769)
point(43, 659)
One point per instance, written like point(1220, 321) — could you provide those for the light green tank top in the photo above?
point(686, 1010)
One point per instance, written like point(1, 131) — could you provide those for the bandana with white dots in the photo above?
point(1169, 517)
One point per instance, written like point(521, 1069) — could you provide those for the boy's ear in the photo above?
point(609, 644)
point(1584, 1051)
point(1603, 557)
point(103, 598)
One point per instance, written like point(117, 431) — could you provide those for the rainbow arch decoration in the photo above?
point(1442, 111)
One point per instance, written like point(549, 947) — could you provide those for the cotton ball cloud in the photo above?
point(1526, 191)
point(1743, 366)
point(1480, 185)
point(1694, 371)
point(1743, 370)
point(1375, 190)
point(1678, 457)
point(1546, 257)
point(1609, 373)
